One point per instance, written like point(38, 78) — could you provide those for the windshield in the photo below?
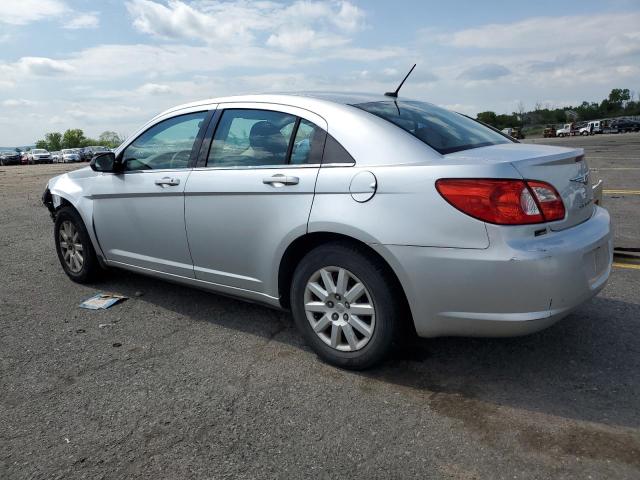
point(67, 152)
point(38, 150)
point(442, 130)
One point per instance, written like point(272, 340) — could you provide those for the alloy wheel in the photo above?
point(71, 247)
point(339, 308)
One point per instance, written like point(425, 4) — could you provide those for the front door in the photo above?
point(254, 195)
point(139, 213)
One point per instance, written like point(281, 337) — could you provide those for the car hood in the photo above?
point(73, 176)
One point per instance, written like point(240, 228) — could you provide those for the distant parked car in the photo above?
point(24, 158)
point(591, 128)
point(9, 158)
point(567, 130)
point(549, 131)
point(513, 132)
point(70, 155)
point(40, 155)
point(89, 152)
point(56, 156)
point(624, 125)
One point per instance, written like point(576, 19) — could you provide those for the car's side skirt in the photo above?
point(239, 293)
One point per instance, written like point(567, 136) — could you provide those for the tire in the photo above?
point(89, 268)
point(354, 349)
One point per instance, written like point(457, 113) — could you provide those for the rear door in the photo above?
point(252, 192)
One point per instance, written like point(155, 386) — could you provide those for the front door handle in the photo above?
point(168, 181)
point(279, 180)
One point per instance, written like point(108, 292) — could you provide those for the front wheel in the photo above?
point(346, 306)
point(74, 247)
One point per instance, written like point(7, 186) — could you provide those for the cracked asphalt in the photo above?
point(179, 383)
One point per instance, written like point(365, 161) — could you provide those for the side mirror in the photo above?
point(104, 162)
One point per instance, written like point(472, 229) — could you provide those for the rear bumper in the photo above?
point(511, 288)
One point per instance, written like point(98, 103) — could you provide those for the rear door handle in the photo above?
point(279, 180)
point(168, 181)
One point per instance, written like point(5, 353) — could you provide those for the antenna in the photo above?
point(395, 94)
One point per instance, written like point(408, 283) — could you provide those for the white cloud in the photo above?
point(304, 39)
point(42, 66)
point(83, 20)
point(301, 25)
point(154, 89)
point(22, 12)
point(553, 33)
point(18, 102)
point(486, 71)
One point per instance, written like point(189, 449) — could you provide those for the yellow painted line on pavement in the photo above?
point(626, 265)
point(622, 192)
point(597, 169)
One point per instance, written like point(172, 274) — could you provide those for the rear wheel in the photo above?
point(74, 247)
point(346, 306)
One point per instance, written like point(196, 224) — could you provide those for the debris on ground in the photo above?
point(102, 301)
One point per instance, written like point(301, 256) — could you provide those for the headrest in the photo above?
point(265, 135)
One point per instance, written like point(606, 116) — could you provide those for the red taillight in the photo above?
point(549, 200)
point(503, 201)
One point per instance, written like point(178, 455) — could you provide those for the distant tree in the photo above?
point(619, 96)
point(41, 144)
point(89, 142)
point(521, 112)
point(489, 118)
point(73, 138)
point(110, 139)
point(54, 141)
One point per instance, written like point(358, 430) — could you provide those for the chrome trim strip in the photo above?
point(260, 167)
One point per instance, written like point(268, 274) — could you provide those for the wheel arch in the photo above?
point(305, 243)
point(56, 200)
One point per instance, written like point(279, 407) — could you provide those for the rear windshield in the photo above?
point(442, 130)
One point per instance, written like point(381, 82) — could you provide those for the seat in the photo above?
point(267, 143)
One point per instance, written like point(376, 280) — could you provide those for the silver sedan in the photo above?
point(366, 216)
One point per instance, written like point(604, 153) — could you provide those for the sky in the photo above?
point(111, 65)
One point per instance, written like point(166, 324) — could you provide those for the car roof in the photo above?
point(295, 99)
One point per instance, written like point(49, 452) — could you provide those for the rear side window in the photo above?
point(308, 144)
point(254, 138)
point(444, 131)
point(336, 153)
point(251, 138)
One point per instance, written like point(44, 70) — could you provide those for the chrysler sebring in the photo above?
point(365, 215)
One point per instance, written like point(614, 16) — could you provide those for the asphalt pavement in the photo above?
point(179, 383)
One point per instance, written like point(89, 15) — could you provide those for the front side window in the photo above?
point(167, 144)
point(444, 131)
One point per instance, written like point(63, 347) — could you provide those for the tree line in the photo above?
point(75, 138)
point(620, 102)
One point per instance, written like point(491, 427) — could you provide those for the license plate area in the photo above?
point(595, 263)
